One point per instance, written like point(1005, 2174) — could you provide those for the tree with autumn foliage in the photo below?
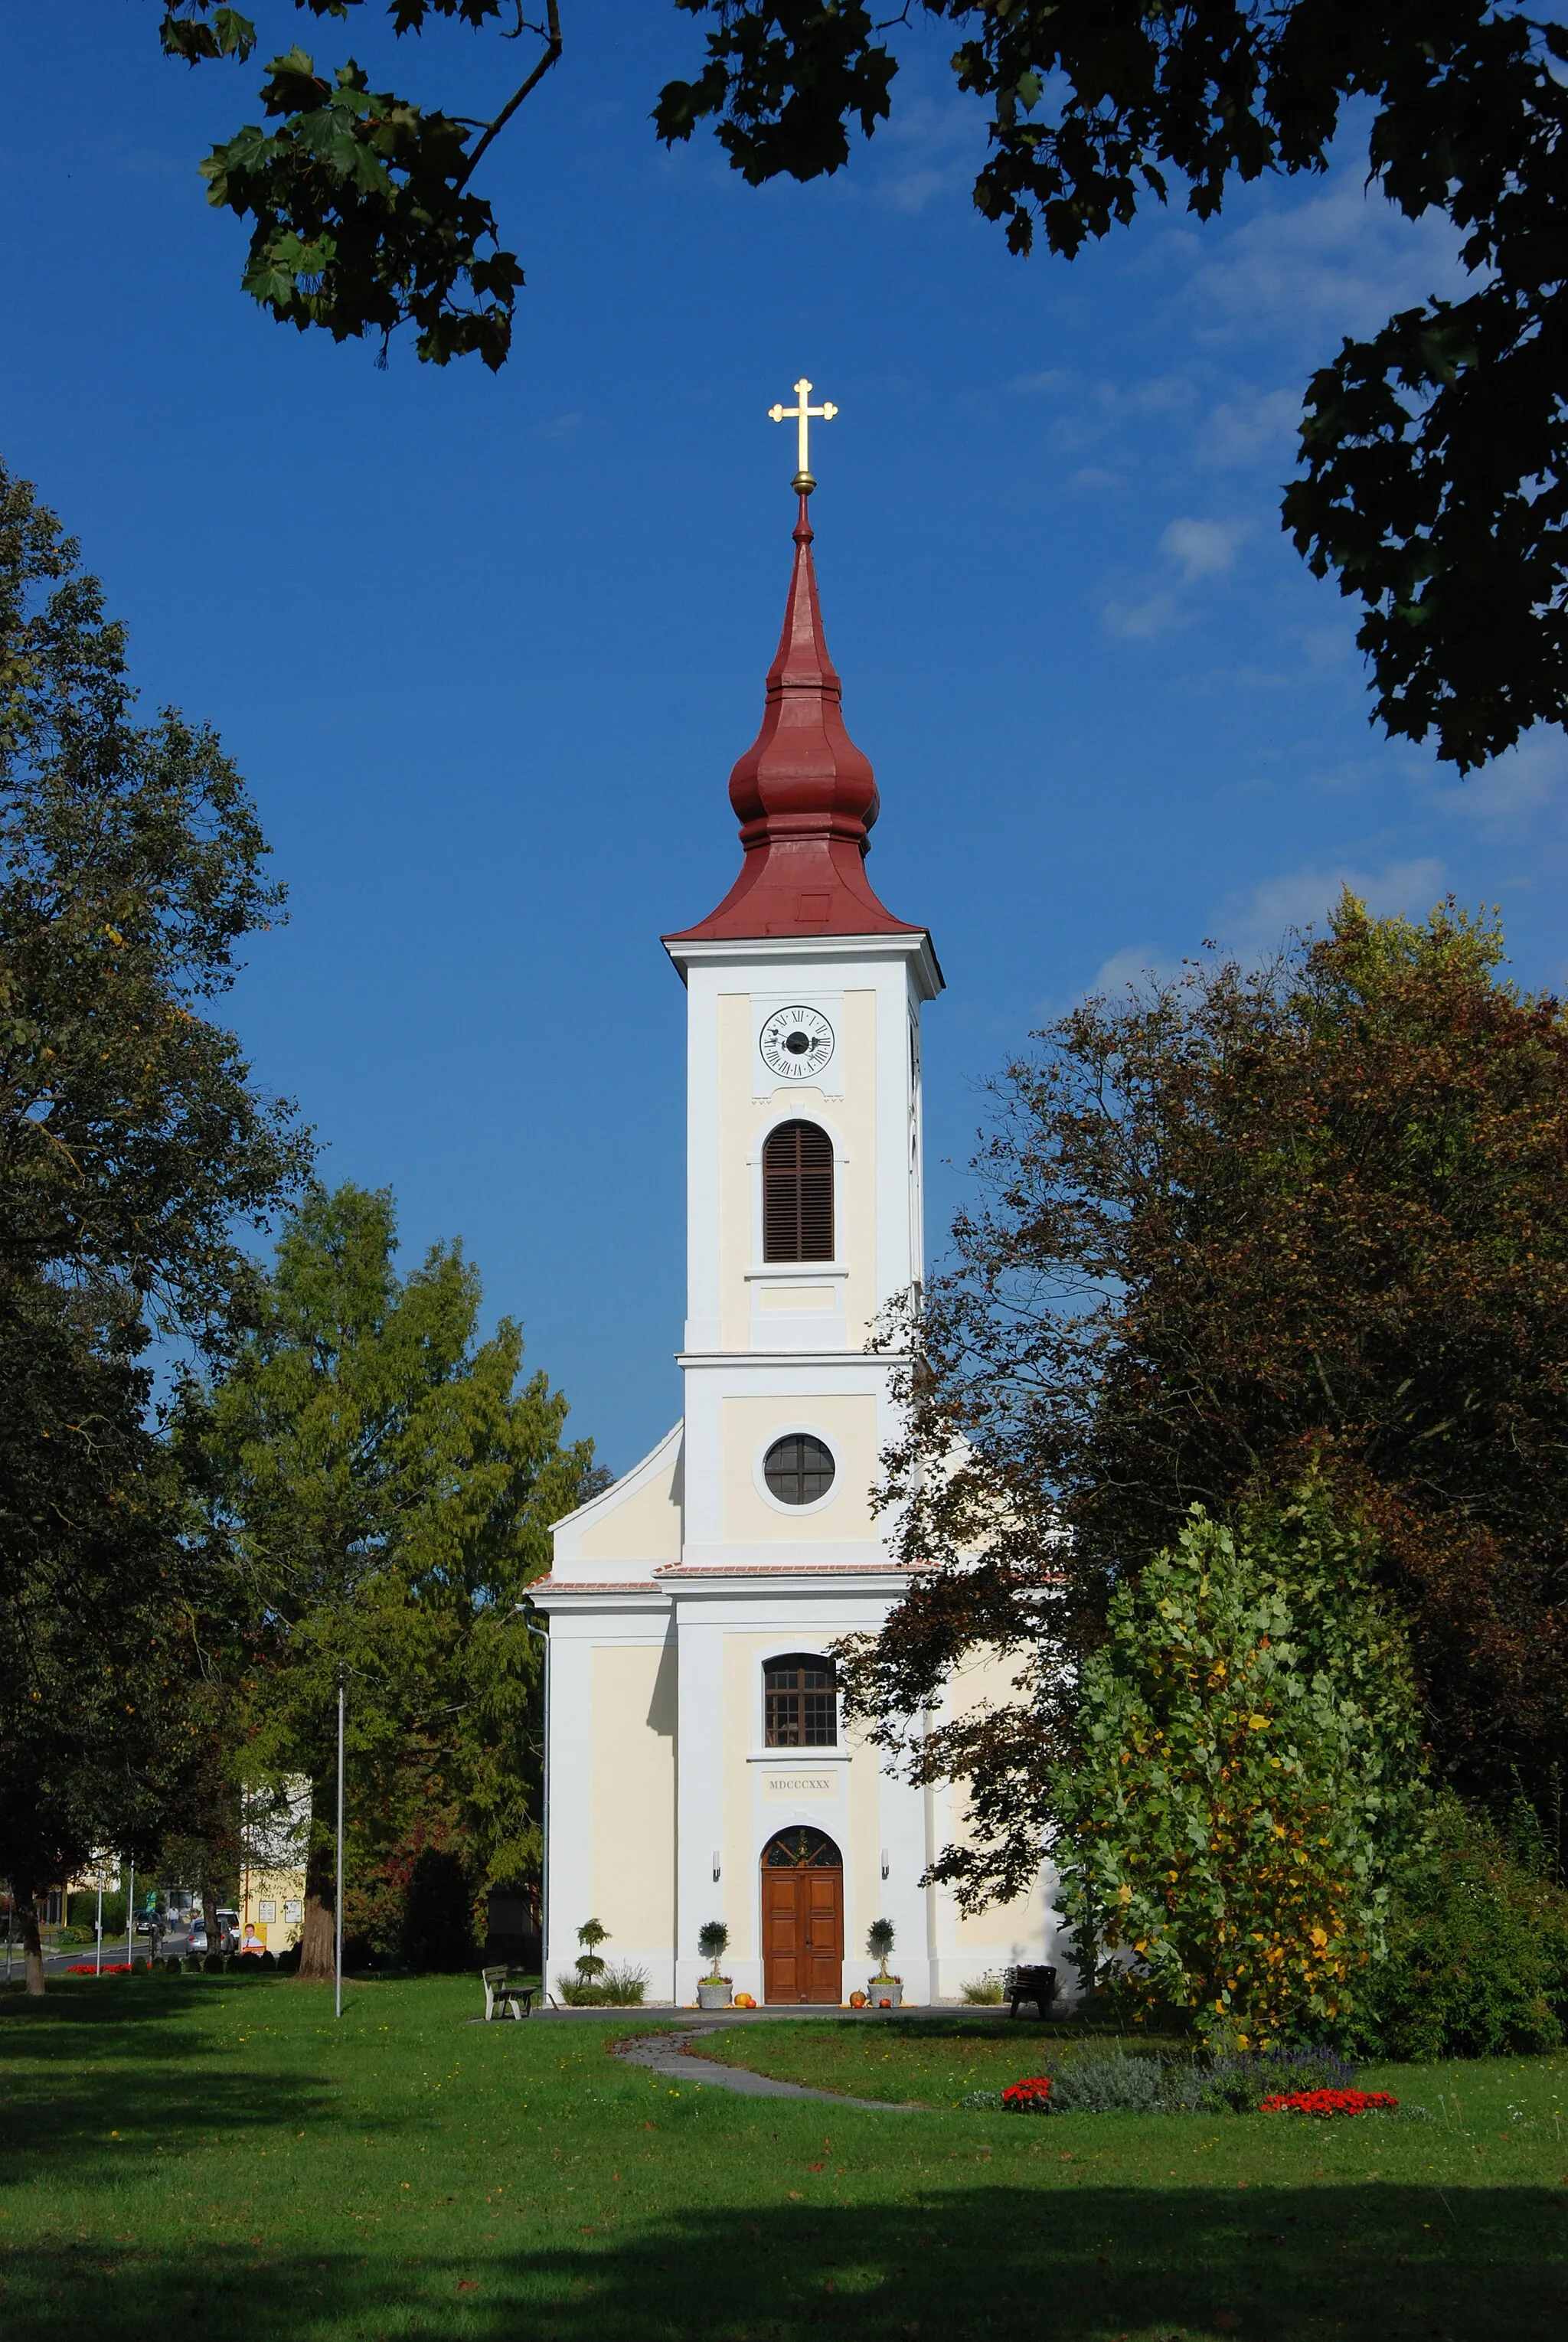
point(1237, 1221)
point(1246, 1785)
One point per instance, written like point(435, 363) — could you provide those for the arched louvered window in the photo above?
point(797, 1194)
point(801, 1701)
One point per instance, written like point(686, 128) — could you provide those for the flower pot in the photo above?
point(886, 1988)
point(715, 1992)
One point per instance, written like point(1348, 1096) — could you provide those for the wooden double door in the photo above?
point(802, 1918)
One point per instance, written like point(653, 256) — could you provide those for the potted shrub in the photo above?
point(585, 1989)
point(714, 1990)
point(882, 1990)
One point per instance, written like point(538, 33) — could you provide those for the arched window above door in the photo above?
point(797, 1193)
point(801, 1849)
point(800, 1701)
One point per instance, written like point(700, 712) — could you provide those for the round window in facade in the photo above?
point(798, 1470)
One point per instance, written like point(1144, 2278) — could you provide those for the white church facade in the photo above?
point(698, 1764)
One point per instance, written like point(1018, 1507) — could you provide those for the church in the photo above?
point(698, 1766)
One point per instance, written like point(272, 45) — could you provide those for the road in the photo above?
point(174, 1944)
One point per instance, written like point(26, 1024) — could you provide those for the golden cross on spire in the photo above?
point(804, 416)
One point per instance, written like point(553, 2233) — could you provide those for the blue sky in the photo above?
point(487, 648)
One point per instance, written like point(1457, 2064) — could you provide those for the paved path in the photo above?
point(667, 2054)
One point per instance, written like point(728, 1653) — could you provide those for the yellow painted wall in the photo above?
point(743, 1656)
point(850, 1423)
point(280, 1888)
point(633, 1791)
point(985, 1679)
point(646, 1526)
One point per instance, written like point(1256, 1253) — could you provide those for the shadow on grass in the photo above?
point(131, 2064)
point(991, 2264)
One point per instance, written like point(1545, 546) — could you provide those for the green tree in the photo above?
point(1245, 1791)
point(1433, 479)
point(1234, 1221)
point(388, 1487)
point(132, 1141)
point(1477, 1962)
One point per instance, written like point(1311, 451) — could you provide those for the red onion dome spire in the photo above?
point(805, 794)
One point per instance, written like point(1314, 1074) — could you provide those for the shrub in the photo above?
point(713, 1942)
point(987, 2102)
point(213, 1963)
point(585, 1989)
point(1477, 1963)
point(172, 1964)
point(983, 1991)
point(1240, 2080)
point(1111, 2081)
point(879, 1942)
point(1248, 1778)
point(268, 1961)
point(612, 1988)
point(288, 1961)
point(438, 1916)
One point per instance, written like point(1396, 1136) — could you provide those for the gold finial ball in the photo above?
point(803, 484)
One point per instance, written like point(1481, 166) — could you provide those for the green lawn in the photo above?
point(184, 2155)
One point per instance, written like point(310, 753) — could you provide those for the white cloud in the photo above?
point(1203, 548)
point(1156, 613)
point(1507, 797)
point(1086, 413)
point(1194, 550)
point(930, 148)
point(1345, 259)
point(1129, 966)
point(1261, 916)
point(1245, 429)
point(563, 427)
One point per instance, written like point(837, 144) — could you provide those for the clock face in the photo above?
point(796, 1043)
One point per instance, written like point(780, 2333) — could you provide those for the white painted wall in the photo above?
point(671, 1588)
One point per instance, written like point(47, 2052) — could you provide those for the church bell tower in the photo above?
point(699, 1766)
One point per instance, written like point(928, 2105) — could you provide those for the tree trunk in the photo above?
point(210, 1914)
point(32, 1943)
point(318, 1943)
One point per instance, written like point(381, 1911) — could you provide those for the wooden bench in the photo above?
point(1038, 1984)
point(502, 1998)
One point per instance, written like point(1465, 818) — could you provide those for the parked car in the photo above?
point(228, 1932)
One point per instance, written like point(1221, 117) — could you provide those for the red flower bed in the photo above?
point(87, 1968)
point(1030, 2097)
point(1330, 2102)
